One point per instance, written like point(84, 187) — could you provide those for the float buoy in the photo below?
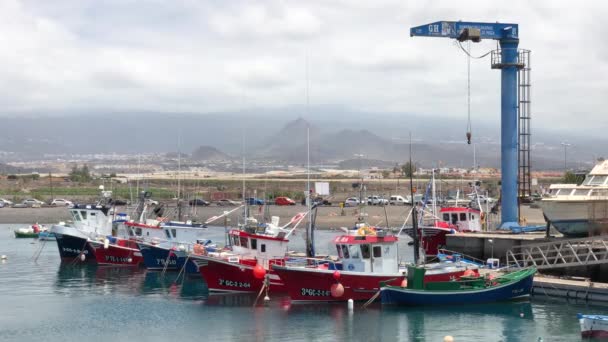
point(259, 272)
point(337, 290)
point(336, 275)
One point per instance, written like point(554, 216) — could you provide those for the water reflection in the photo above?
point(93, 279)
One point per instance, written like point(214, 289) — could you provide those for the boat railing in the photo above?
point(307, 262)
point(453, 256)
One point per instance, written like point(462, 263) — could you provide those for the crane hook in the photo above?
point(469, 138)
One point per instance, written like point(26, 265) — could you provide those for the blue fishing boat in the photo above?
point(171, 256)
point(46, 236)
point(469, 290)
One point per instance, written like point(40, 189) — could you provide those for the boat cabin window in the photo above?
point(463, 216)
point(446, 217)
point(472, 217)
point(83, 213)
point(244, 242)
point(377, 251)
point(581, 192)
point(454, 218)
point(138, 231)
point(598, 180)
point(235, 240)
point(339, 248)
point(563, 192)
point(75, 216)
point(354, 251)
point(263, 248)
point(167, 234)
point(254, 244)
point(597, 192)
point(345, 252)
point(174, 232)
point(92, 214)
point(365, 251)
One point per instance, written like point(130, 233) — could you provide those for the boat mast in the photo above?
point(179, 174)
point(414, 220)
point(245, 202)
point(434, 193)
point(310, 250)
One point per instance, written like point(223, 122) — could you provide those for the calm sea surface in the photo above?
point(48, 301)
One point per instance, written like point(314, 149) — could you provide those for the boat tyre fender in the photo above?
point(365, 230)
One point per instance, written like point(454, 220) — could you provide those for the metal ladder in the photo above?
point(560, 253)
point(523, 157)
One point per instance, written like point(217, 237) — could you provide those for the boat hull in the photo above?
point(593, 326)
point(224, 276)
point(46, 236)
point(73, 244)
point(577, 218)
point(306, 284)
point(117, 255)
point(155, 258)
point(21, 235)
point(504, 292)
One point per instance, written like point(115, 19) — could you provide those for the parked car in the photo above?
point(397, 200)
point(284, 201)
point(198, 202)
point(6, 202)
point(32, 202)
point(1, 204)
point(150, 201)
point(227, 202)
point(351, 202)
point(60, 202)
point(317, 201)
point(255, 201)
point(117, 202)
point(376, 200)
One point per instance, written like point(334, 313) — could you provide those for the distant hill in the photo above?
point(209, 153)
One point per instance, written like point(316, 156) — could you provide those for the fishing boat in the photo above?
point(171, 252)
point(593, 326)
point(90, 221)
point(579, 210)
point(466, 290)
point(46, 236)
point(246, 264)
point(366, 259)
point(30, 232)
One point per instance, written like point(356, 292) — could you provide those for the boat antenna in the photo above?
point(414, 220)
point(310, 250)
point(245, 213)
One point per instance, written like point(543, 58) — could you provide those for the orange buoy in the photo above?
point(259, 272)
point(336, 275)
point(337, 290)
point(404, 282)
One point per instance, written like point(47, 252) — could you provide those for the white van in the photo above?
point(398, 200)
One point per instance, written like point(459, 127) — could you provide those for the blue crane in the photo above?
point(508, 62)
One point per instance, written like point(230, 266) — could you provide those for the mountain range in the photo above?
point(336, 133)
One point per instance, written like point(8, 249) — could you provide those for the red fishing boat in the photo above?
point(247, 263)
point(365, 260)
point(117, 252)
point(451, 220)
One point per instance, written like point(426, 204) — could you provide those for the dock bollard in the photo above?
point(351, 305)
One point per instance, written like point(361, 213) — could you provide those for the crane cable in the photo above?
point(469, 133)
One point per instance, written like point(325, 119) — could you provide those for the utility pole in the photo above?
point(566, 145)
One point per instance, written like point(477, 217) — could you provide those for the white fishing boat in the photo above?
point(580, 210)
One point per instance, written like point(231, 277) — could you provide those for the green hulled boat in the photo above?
point(25, 235)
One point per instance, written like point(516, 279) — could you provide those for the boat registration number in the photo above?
point(75, 251)
point(232, 283)
point(315, 292)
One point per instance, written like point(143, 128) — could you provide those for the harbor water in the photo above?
point(44, 300)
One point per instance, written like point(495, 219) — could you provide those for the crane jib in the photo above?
point(453, 29)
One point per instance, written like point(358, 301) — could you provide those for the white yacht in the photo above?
point(580, 210)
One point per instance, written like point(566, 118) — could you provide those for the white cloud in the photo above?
point(187, 55)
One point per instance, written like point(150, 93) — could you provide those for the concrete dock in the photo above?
point(583, 289)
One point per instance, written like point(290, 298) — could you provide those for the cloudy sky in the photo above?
point(215, 55)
